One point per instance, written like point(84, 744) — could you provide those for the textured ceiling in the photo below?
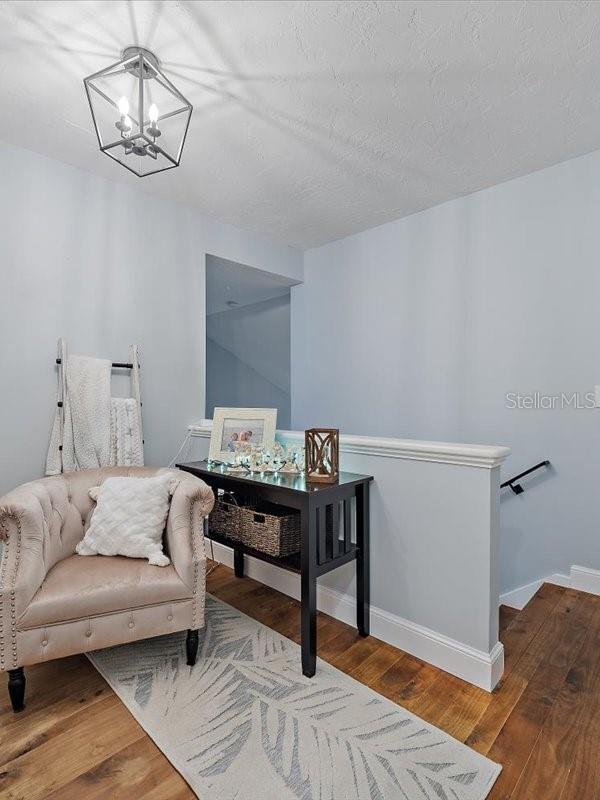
point(314, 120)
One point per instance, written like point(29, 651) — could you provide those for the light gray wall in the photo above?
point(420, 327)
point(230, 382)
point(104, 265)
point(248, 358)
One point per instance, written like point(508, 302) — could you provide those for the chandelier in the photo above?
point(141, 119)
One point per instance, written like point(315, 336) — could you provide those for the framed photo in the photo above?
point(234, 426)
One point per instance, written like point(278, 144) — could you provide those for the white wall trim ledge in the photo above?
point(471, 455)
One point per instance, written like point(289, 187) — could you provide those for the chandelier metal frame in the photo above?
point(138, 136)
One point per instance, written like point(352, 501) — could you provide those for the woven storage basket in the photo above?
point(226, 519)
point(271, 529)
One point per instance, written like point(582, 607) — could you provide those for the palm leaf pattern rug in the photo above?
point(245, 724)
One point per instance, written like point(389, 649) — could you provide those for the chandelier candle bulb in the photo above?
point(153, 130)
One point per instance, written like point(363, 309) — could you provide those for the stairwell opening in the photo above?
point(247, 338)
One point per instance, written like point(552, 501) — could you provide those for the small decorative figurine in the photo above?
point(300, 453)
point(289, 463)
point(255, 459)
point(277, 457)
point(240, 461)
point(238, 465)
point(322, 446)
point(294, 460)
point(265, 465)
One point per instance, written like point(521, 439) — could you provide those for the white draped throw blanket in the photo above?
point(98, 431)
point(86, 407)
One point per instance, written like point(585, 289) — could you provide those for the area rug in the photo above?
point(245, 724)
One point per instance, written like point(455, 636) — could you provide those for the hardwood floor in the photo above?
point(76, 740)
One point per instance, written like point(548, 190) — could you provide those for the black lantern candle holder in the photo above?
point(322, 453)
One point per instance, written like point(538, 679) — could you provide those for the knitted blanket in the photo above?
point(126, 449)
point(86, 406)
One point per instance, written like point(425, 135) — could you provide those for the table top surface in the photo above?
point(282, 480)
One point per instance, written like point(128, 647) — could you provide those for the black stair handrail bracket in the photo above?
point(512, 482)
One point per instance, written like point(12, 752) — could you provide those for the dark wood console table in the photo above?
point(326, 512)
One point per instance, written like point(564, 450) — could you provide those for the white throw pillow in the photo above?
point(129, 519)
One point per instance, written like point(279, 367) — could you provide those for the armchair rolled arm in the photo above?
point(192, 501)
point(23, 527)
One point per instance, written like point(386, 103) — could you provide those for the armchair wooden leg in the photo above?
point(191, 647)
point(16, 688)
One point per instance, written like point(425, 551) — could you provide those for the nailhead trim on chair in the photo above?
point(11, 584)
point(198, 593)
point(195, 560)
point(3, 529)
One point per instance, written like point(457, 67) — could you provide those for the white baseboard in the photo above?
point(558, 579)
point(518, 598)
point(585, 579)
point(475, 666)
point(582, 578)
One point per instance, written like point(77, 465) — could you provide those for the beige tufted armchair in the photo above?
point(54, 603)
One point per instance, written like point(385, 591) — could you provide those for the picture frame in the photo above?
point(255, 426)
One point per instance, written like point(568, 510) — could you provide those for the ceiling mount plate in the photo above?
point(134, 68)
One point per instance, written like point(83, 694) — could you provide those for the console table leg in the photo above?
point(309, 626)
point(363, 589)
point(238, 563)
point(308, 586)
